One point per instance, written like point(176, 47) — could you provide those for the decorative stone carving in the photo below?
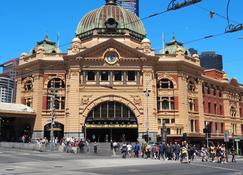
point(85, 99)
point(76, 46)
point(137, 100)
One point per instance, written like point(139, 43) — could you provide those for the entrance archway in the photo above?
point(58, 129)
point(111, 120)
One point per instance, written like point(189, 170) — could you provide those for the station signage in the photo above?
point(111, 126)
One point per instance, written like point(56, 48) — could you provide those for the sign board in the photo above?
point(237, 140)
point(226, 136)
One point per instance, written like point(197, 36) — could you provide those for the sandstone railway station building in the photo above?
point(111, 85)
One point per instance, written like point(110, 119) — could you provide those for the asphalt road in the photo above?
point(36, 163)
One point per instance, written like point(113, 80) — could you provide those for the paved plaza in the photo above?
point(44, 163)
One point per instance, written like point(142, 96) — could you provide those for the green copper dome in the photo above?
point(110, 19)
point(173, 46)
point(47, 46)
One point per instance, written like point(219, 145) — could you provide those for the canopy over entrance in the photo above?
point(111, 120)
point(16, 121)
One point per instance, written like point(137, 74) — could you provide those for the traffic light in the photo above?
point(184, 136)
point(207, 132)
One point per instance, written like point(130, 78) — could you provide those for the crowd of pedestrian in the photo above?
point(183, 152)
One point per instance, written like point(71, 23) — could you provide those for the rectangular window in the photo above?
point(220, 93)
point(192, 125)
point(215, 108)
point(91, 76)
point(172, 104)
point(104, 75)
point(221, 109)
point(28, 102)
point(63, 103)
point(222, 127)
point(57, 103)
point(208, 90)
point(158, 104)
point(48, 105)
point(178, 131)
point(173, 120)
point(117, 76)
point(165, 103)
point(131, 75)
point(168, 131)
point(209, 107)
point(166, 120)
point(216, 126)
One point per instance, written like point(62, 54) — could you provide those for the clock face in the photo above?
point(111, 57)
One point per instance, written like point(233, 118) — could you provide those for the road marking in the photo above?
point(216, 167)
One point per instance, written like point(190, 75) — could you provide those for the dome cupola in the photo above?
point(45, 46)
point(110, 19)
point(175, 47)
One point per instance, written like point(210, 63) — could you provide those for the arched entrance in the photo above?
point(111, 120)
point(58, 129)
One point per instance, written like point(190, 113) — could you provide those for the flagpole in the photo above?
point(58, 39)
point(163, 43)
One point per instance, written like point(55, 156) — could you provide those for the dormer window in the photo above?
point(111, 25)
point(191, 86)
point(28, 85)
point(233, 111)
point(56, 83)
point(165, 84)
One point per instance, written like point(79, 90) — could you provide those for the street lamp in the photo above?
point(53, 91)
point(146, 93)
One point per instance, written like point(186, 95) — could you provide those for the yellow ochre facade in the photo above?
point(111, 85)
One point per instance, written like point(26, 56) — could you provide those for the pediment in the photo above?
point(98, 51)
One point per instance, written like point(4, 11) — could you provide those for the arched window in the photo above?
point(111, 111)
point(28, 85)
point(191, 104)
point(165, 84)
point(233, 111)
point(191, 85)
point(56, 83)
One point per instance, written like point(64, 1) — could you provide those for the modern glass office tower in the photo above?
point(6, 90)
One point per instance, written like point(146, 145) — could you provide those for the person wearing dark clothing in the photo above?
point(232, 152)
point(137, 149)
point(124, 150)
point(177, 151)
point(95, 148)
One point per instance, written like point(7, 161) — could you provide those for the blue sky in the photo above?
point(25, 22)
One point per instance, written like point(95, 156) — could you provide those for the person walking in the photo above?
point(95, 148)
point(232, 152)
point(137, 148)
point(129, 150)
point(124, 150)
